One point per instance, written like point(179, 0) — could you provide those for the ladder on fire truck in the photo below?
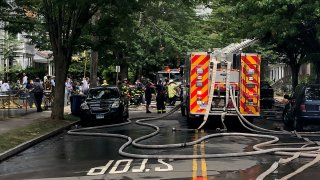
point(221, 56)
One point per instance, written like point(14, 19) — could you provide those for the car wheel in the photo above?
point(298, 124)
point(287, 117)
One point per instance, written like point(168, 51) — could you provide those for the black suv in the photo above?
point(104, 103)
point(303, 107)
point(266, 95)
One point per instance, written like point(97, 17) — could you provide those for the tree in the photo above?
point(64, 21)
point(9, 51)
point(289, 28)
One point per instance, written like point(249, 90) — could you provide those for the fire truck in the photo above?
point(169, 74)
point(212, 79)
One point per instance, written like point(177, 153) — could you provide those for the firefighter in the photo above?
point(47, 84)
point(161, 91)
point(139, 91)
point(173, 92)
point(148, 94)
point(124, 89)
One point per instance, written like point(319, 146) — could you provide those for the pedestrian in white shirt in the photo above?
point(85, 85)
point(68, 91)
point(5, 87)
point(24, 80)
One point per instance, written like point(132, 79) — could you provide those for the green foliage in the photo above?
point(287, 30)
point(10, 48)
point(33, 72)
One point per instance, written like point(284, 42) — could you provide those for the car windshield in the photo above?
point(313, 93)
point(107, 93)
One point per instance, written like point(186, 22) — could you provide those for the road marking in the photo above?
point(194, 161)
point(203, 160)
point(142, 167)
point(99, 170)
point(169, 167)
point(123, 166)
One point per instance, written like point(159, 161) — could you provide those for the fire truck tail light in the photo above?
point(251, 71)
point(199, 84)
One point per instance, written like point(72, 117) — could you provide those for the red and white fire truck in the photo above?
point(210, 79)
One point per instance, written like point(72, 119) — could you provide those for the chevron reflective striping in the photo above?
point(250, 62)
point(199, 61)
point(249, 110)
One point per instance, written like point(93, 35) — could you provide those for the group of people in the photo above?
point(33, 88)
point(36, 89)
point(76, 87)
point(166, 91)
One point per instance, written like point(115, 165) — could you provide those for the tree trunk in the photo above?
point(94, 54)
point(60, 62)
point(94, 69)
point(123, 69)
point(295, 68)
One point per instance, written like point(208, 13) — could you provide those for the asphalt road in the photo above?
point(83, 157)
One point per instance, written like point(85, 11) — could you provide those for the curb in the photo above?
point(11, 152)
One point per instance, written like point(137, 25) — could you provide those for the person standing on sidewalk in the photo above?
point(68, 91)
point(24, 80)
point(85, 85)
point(29, 93)
point(38, 94)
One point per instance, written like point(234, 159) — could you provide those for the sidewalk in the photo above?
point(18, 118)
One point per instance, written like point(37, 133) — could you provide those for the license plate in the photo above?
point(99, 116)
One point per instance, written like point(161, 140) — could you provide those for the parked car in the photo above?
point(266, 95)
point(303, 107)
point(104, 104)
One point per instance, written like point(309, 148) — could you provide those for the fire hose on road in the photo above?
point(260, 148)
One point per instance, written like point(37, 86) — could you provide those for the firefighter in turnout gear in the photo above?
point(138, 92)
point(173, 92)
point(161, 91)
point(124, 87)
point(124, 90)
